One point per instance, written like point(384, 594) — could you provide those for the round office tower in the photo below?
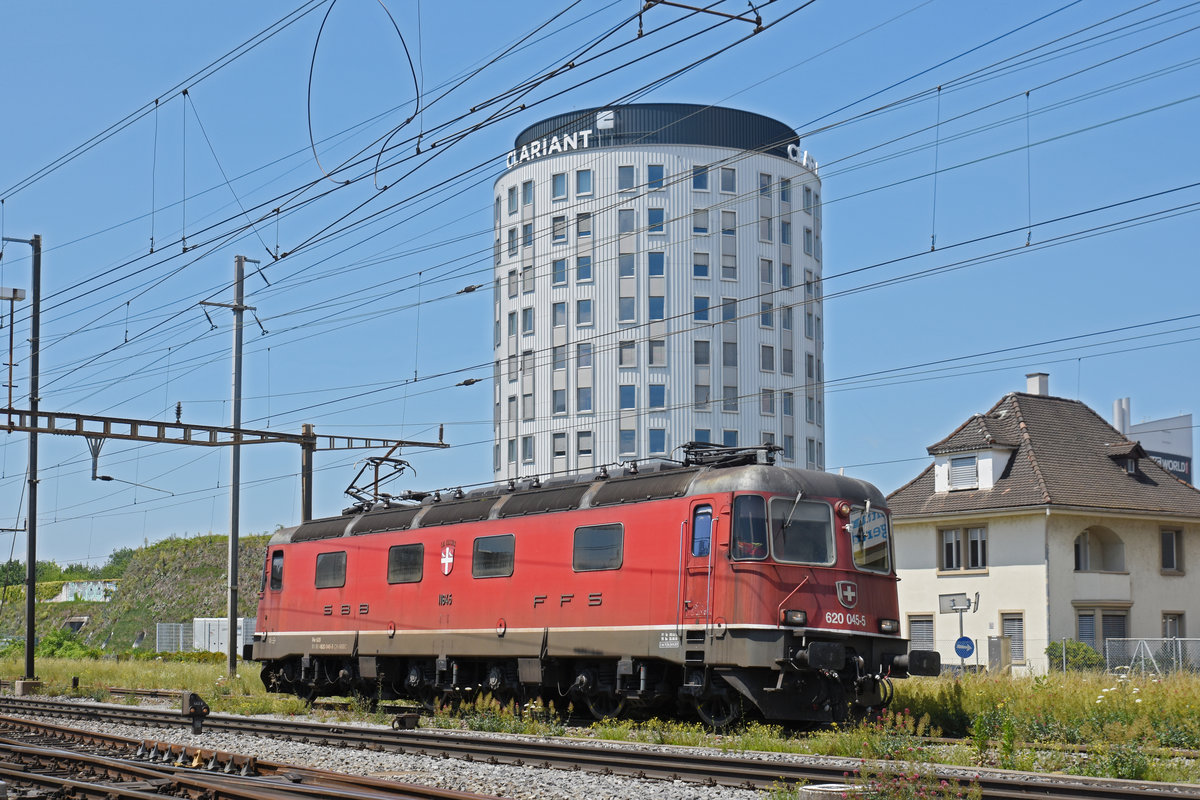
point(657, 281)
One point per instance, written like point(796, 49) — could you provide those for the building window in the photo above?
point(512, 241)
point(701, 353)
point(658, 353)
point(583, 225)
point(767, 401)
point(627, 442)
point(808, 199)
point(627, 396)
point(658, 395)
point(787, 361)
point(627, 265)
point(583, 443)
point(785, 190)
point(1172, 625)
point(728, 309)
point(729, 438)
point(964, 548)
point(789, 447)
point(559, 314)
point(1013, 626)
point(729, 354)
point(785, 232)
point(527, 321)
point(583, 399)
point(654, 176)
point(700, 221)
point(656, 217)
point(1114, 624)
point(700, 393)
point(766, 358)
point(785, 275)
point(527, 449)
point(728, 180)
point(1099, 550)
point(558, 271)
point(964, 472)
point(626, 220)
point(558, 227)
point(626, 309)
point(558, 445)
point(657, 307)
point(558, 398)
point(789, 404)
point(700, 309)
point(766, 271)
point(583, 268)
point(764, 185)
point(527, 279)
point(702, 435)
point(558, 186)
point(766, 315)
point(699, 265)
point(1172, 560)
point(656, 262)
point(583, 313)
point(512, 323)
point(626, 179)
point(512, 199)
point(583, 354)
point(583, 181)
point(558, 356)
point(729, 223)
point(512, 451)
point(700, 178)
point(527, 193)
point(765, 231)
point(920, 632)
point(527, 235)
point(627, 354)
point(808, 241)
point(729, 398)
point(811, 448)
point(658, 440)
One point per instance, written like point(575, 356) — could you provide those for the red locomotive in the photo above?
point(720, 584)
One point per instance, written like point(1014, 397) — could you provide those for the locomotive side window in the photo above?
point(598, 547)
point(405, 563)
point(331, 570)
point(870, 539)
point(801, 531)
point(277, 570)
point(749, 528)
point(702, 531)
point(493, 556)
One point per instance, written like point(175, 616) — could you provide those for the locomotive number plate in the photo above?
point(668, 640)
point(838, 618)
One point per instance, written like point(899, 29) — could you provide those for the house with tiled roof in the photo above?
point(1045, 523)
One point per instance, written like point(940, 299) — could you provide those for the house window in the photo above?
point(729, 399)
point(700, 178)
point(1172, 560)
point(558, 186)
point(583, 181)
point(700, 392)
point(920, 632)
point(626, 178)
point(964, 472)
point(789, 447)
point(1113, 624)
point(1172, 625)
point(654, 176)
point(964, 548)
point(1099, 550)
point(1013, 626)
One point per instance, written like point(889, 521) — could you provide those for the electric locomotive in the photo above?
point(720, 585)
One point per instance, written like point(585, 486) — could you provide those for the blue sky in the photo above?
point(365, 332)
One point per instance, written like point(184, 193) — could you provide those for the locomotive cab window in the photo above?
point(493, 556)
point(702, 531)
point(331, 570)
point(870, 539)
point(801, 531)
point(277, 570)
point(749, 528)
point(405, 562)
point(598, 547)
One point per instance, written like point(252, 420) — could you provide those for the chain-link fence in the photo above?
point(1154, 656)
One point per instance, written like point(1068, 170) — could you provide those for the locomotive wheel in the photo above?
point(604, 706)
point(719, 709)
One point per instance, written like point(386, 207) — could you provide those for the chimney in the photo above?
point(1037, 383)
point(1121, 414)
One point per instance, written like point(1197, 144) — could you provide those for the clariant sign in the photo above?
point(548, 147)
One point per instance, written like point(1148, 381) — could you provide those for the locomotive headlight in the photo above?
point(889, 625)
point(794, 617)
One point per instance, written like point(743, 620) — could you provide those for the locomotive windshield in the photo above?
point(749, 527)
point(869, 538)
point(801, 531)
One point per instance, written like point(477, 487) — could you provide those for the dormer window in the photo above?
point(1131, 466)
point(964, 472)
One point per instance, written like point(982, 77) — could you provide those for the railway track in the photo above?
point(107, 767)
point(667, 763)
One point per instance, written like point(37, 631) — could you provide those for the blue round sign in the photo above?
point(964, 647)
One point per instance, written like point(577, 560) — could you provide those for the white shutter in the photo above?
point(920, 633)
point(1013, 626)
point(964, 473)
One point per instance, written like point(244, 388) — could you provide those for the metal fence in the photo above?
point(1152, 655)
point(173, 637)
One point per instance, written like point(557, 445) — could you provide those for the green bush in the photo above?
point(62, 643)
point(1079, 656)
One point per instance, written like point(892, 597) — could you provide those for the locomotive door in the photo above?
point(697, 563)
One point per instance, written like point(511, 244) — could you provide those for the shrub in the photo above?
point(62, 643)
point(1079, 656)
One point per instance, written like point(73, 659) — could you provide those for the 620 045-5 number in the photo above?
point(841, 618)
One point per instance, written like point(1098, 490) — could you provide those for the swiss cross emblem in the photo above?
point(447, 557)
point(847, 593)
